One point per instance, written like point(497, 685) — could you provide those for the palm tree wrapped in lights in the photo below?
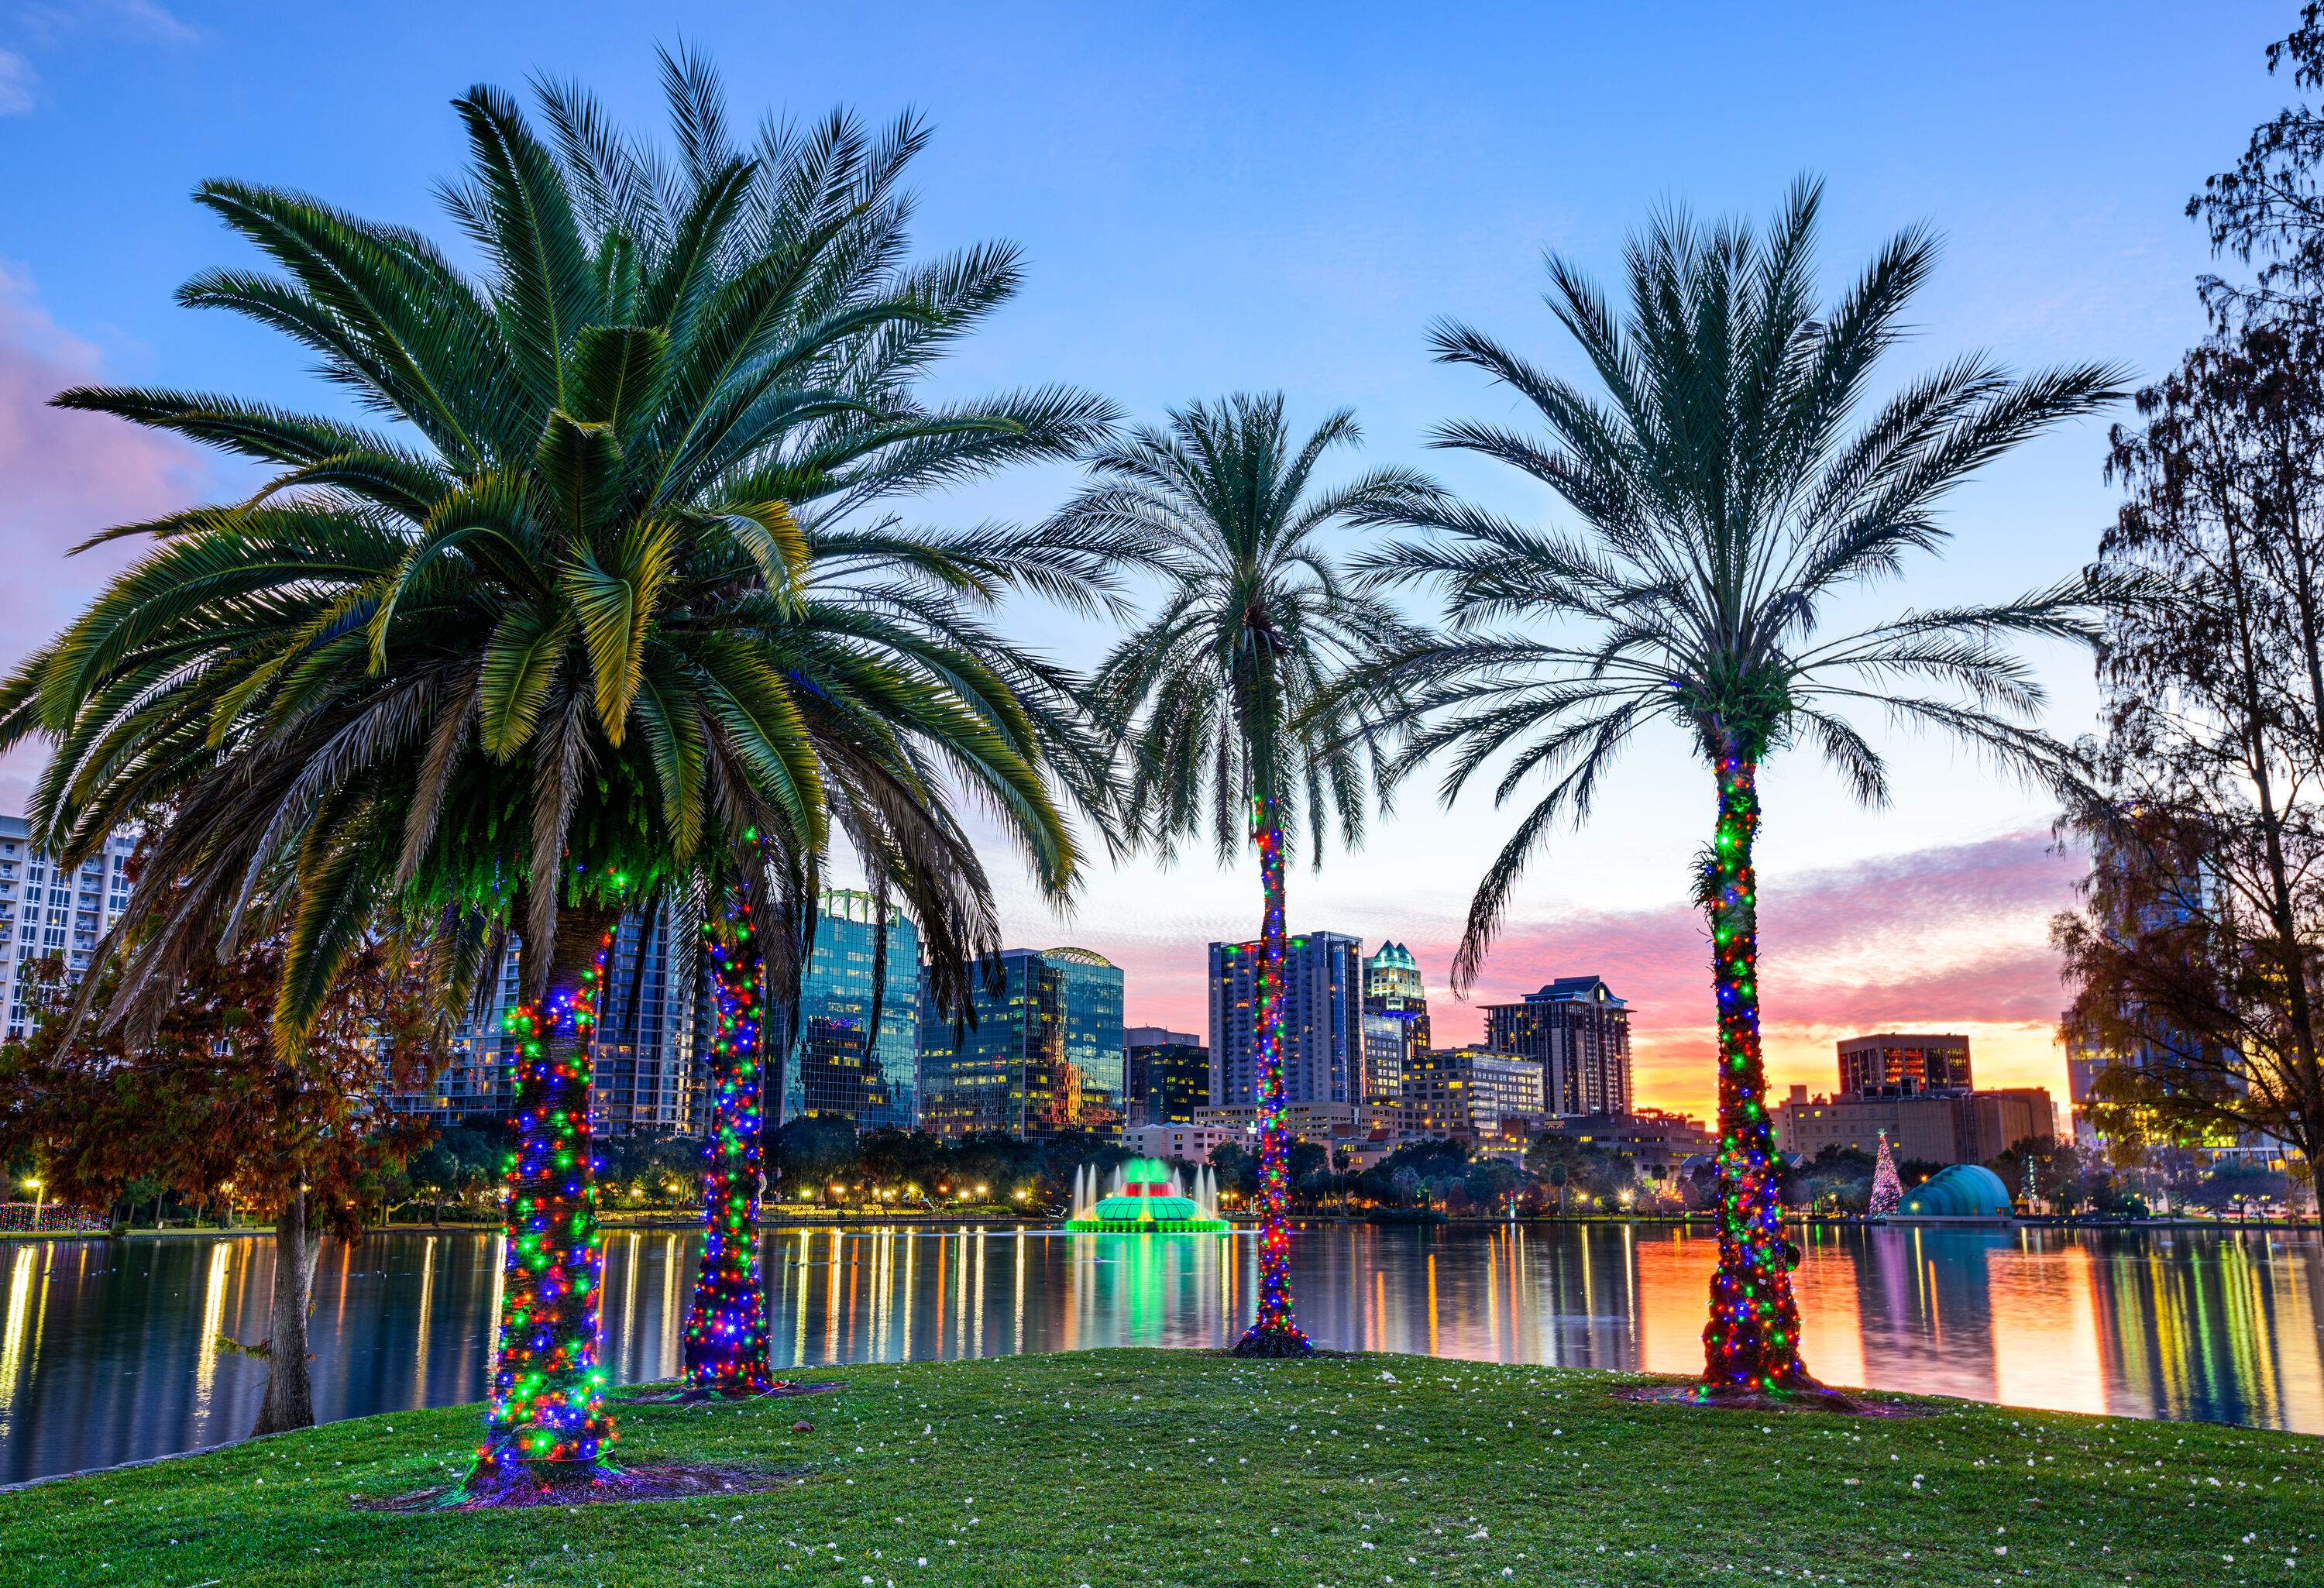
point(1227, 697)
point(549, 649)
point(1728, 494)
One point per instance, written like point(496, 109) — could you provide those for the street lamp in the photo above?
point(39, 1189)
point(227, 1186)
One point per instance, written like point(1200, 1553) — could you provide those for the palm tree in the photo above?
point(1224, 697)
point(534, 659)
point(901, 600)
point(1731, 485)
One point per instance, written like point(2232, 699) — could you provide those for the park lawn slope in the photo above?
point(1146, 1467)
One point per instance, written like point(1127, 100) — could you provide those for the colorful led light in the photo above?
point(1751, 1344)
point(549, 1391)
point(726, 1327)
point(1888, 1190)
point(1273, 1333)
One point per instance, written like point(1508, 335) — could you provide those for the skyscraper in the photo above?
point(46, 913)
point(856, 1055)
point(1323, 1020)
point(643, 1061)
point(1579, 1032)
point(1169, 1076)
point(1396, 1020)
point(1044, 1055)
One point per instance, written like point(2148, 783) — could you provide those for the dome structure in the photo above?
point(1959, 1191)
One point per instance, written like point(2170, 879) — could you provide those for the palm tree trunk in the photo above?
point(1273, 1333)
point(726, 1327)
point(548, 1405)
point(289, 1401)
point(1751, 1344)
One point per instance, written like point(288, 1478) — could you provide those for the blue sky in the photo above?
point(1221, 196)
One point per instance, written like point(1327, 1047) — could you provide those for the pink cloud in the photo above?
point(68, 475)
point(1953, 938)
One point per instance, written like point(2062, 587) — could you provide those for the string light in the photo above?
point(726, 1327)
point(1888, 1191)
point(548, 1389)
point(1273, 1333)
point(1751, 1344)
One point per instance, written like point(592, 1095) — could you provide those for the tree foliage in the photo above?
point(211, 1100)
point(2197, 959)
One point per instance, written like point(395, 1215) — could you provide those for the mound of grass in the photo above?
point(1116, 1468)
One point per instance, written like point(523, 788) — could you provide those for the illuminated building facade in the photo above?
point(855, 1054)
point(1469, 1090)
point(1045, 1057)
point(1579, 1033)
point(1396, 1020)
point(1168, 1075)
point(1323, 1020)
point(1905, 1062)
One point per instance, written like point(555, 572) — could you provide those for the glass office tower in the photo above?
point(842, 1061)
point(1043, 1058)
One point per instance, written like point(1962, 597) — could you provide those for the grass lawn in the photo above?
point(1139, 1467)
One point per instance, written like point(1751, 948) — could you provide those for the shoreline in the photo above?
point(683, 1224)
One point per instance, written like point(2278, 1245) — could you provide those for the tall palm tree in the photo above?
point(1225, 697)
point(1733, 481)
point(905, 601)
point(530, 659)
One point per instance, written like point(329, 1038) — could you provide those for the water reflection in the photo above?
point(112, 1352)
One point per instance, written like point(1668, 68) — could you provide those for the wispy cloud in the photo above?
point(1953, 938)
point(142, 19)
point(153, 21)
point(17, 81)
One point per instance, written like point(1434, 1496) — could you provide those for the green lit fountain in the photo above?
point(1146, 1200)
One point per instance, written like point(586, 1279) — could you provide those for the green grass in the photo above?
point(1142, 1467)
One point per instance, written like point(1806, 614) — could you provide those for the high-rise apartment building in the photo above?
point(1579, 1032)
point(1323, 1020)
point(1472, 1090)
point(49, 913)
point(645, 1076)
point(1169, 1075)
point(1044, 1057)
point(1396, 1020)
point(1908, 1063)
point(855, 1054)
point(1388, 1055)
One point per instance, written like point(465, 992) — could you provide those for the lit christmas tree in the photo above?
point(1886, 1192)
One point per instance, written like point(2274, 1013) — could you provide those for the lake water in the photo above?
point(108, 1352)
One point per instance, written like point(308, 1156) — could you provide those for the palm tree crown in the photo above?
point(1730, 484)
point(1226, 694)
point(558, 635)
